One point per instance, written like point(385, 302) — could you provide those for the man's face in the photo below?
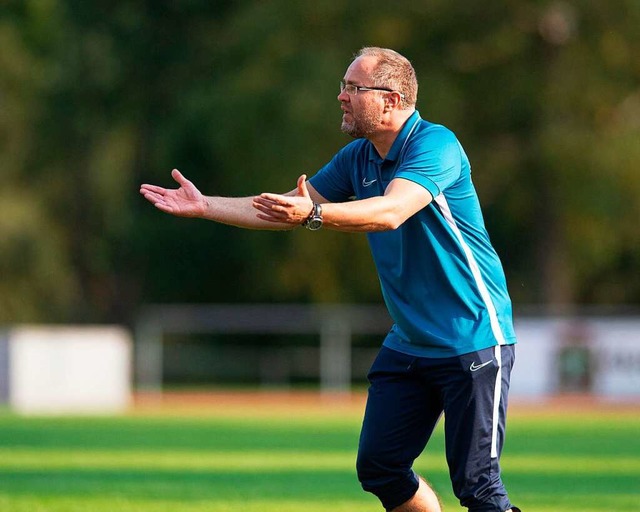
point(362, 112)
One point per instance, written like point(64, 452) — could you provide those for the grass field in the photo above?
point(289, 456)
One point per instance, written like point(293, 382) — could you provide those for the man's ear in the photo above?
point(392, 100)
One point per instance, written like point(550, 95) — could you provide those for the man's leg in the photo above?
point(424, 500)
point(400, 416)
point(475, 414)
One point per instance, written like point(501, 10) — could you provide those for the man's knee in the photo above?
point(393, 485)
point(496, 503)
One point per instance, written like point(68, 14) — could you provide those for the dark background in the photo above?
point(98, 97)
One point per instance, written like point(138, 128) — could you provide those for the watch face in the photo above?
point(314, 224)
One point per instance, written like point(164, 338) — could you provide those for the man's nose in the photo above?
point(343, 96)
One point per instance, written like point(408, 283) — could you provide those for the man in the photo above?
point(406, 182)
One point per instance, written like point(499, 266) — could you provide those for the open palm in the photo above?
point(186, 201)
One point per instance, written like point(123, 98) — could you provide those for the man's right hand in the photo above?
point(186, 201)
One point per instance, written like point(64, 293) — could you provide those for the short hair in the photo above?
point(393, 71)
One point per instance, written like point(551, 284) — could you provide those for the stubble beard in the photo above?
point(362, 125)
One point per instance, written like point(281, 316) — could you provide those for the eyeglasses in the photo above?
point(352, 89)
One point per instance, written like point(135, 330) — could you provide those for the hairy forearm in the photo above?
point(239, 212)
point(367, 215)
point(401, 200)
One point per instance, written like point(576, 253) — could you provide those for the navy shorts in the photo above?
point(406, 398)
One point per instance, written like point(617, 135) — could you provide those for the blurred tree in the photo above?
point(558, 77)
point(97, 97)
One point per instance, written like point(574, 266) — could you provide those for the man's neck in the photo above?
point(384, 138)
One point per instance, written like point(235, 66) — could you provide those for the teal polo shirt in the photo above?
point(441, 279)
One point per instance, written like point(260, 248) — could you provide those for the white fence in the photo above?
point(89, 369)
point(582, 353)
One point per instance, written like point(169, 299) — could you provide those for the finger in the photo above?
point(271, 210)
point(262, 207)
point(264, 201)
point(258, 205)
point(302, 186)
point(151, 188)
point(158, 201)
point(153, 197)
point(268, 218)
point(179, 177)
point(276, 198)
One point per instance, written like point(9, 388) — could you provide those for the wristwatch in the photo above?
point(314, 220)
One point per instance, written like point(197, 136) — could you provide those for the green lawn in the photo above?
point(291, 462)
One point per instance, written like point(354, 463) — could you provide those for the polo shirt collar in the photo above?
point(394, 152)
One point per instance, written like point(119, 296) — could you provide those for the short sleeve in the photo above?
point(433, 159)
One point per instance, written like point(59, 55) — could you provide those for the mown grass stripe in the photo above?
point(285, 460)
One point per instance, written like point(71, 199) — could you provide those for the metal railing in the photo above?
point(335, 325)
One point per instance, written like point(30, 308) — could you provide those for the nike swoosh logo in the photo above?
point(475, 367)
point(366, 183)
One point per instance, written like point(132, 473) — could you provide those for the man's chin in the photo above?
point(349, 129)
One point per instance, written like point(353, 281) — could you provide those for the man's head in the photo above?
point(393, 71)
point(378, 84)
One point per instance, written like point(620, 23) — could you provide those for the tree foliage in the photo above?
point(97, 97)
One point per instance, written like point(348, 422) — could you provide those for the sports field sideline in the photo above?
point(286, 451)
point(273, 400)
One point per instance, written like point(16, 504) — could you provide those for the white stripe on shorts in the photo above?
point(497, 396)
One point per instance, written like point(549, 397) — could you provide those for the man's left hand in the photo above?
point(291, 209)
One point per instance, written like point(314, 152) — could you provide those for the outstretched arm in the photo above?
point(188, 201)
point(401, 200)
